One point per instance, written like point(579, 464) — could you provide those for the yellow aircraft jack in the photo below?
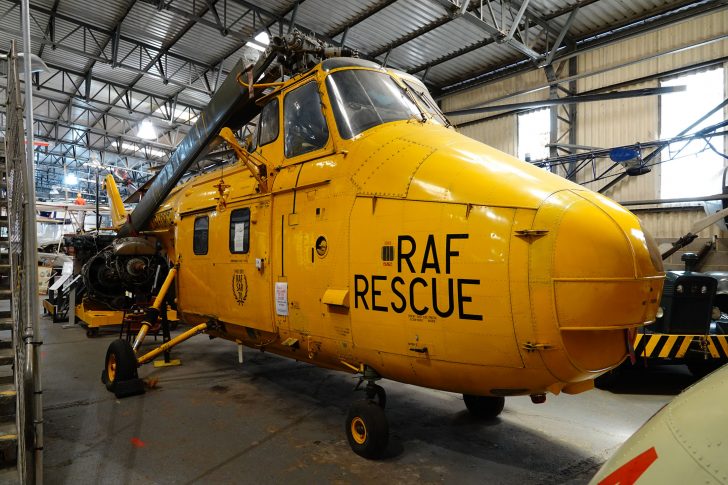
point(93, 319)
point(163, 363)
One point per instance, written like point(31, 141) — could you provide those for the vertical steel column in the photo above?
point(31, 334)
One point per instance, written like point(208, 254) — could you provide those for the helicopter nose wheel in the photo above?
point(120, 370)
point(367, 429)
point(484, 407)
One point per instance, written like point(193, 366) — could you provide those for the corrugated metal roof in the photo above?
point(204, 44)
point(338, 13)
point(152, 26)
point(420, 31)
point(470, 63)
point(116, 75)
point(437, 43)
point(157, 86)
point(392, 23)
point(105, 13)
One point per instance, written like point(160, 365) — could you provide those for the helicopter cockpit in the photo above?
point(361, 95)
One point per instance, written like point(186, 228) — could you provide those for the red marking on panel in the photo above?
point(628, 473)
point(137, 443)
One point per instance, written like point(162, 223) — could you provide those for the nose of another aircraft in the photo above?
point(594, 275)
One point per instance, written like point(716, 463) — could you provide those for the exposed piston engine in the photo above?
point(130, 264)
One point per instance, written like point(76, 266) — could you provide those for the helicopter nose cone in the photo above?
point(599, 275)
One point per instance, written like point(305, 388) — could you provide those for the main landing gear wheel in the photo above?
point(484, 406)
point(367, 429)
point(120, 370)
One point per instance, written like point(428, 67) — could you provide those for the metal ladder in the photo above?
point(21, 411)
point(8, 391)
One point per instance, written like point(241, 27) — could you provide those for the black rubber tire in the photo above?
point(92, 332)
point(126, 363)
point(367, 429)
point(484, 406)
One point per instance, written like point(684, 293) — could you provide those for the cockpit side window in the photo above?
point(268, 129)
point(363, 99)
point(304, 124)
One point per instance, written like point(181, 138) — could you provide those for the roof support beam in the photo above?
point(494, 31)
point(560, 38)
point(671, 14)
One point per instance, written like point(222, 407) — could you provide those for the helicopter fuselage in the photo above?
point(408, 249)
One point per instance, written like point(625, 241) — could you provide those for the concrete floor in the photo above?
point(273, 420)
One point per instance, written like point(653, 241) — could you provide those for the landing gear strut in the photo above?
point(367, 429)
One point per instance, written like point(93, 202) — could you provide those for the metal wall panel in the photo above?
point(671, 225)
point(499, 133)
point(616, 122)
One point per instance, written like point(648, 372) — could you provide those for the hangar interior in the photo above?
point(625, 99)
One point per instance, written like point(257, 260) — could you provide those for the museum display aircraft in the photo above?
point(358, 231)
point(681, 443)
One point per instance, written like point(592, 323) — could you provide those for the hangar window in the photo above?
point(240, 230)
point(305, 125)
point(534, 133)
point(691, 168)
point(268, 123)
point(199, 238)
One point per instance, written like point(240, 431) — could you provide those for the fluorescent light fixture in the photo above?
point(36, 63)
point(70, 179)
point(147, 130)
point(261, 38)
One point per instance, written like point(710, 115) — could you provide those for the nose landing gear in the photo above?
point(484, 407)
point(367, 429)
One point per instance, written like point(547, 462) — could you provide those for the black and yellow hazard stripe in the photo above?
point(662, 346)
point(718, 346)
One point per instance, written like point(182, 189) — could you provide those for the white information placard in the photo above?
point(282, 298)
point(239, 237)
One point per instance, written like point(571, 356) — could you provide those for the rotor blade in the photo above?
point(580, 98)
point(708, 221)
point(230, 106)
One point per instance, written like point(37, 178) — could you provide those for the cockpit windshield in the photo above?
point(363, 99)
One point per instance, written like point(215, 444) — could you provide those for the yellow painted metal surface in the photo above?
point(118, 212)
point(415, 251)
point(95, 318)
point(98, 318)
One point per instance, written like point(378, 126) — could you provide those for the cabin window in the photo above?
point(364, 99)
point(240, 230)
point(200, 236)
point(268, 123)
point(305, 125)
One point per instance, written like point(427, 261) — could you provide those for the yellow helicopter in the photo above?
point(358, 231)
